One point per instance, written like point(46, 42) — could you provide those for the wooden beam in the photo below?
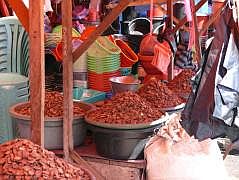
point(37, 70)
point(101, 28)
point(184, 20)
point(170, 13)
point(21, 11)
point(170, 25)
point(82, 163)
point(174, 18)
point(67, 76)
point(4, 8)
point(212, 19)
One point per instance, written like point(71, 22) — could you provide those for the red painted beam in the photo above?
point(21, 11)
point(3, 8)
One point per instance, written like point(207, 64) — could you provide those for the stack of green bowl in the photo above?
point(103, 57)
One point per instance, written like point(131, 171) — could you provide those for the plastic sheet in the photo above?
point(172, 154)
point(227, 87)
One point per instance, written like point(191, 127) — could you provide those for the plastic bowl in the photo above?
point(124, 83)
point(127, 55)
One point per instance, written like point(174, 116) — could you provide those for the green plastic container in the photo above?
point(13, 89)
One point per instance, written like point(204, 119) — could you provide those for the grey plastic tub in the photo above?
point(120, 143)
point(53, 128)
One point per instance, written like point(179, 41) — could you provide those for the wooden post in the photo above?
point(21, 11)
point(67, 76)
point(198, 55)
point(4, 8)
point(170, 25)
point(101, 28)
point(184, 20)
point(37, 71)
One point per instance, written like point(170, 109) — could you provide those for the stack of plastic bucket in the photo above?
point(103, 62)
point(14, 88)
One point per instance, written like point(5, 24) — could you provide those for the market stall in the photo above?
point(120, 125)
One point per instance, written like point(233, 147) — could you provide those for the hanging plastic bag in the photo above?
point(155, 55)
point(162, 57)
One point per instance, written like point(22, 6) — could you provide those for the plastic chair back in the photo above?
point(14, 46)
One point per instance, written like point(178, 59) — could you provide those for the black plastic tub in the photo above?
point(119, 143)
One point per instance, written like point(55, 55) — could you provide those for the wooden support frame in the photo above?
point(67, 77)
point(184, 20)
point(37, 71)
point(174, 18)
point(21, 11)
point(101, 28)
point(212, 19)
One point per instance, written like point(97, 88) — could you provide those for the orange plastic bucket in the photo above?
point(58, 50)
point(127, 55)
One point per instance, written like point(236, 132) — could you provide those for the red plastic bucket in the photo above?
point(127, 55)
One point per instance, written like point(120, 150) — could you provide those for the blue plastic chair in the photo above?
point(14, 46)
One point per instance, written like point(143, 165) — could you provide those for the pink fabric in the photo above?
point(188, 10)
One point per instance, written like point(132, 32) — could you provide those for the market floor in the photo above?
point(232, 166)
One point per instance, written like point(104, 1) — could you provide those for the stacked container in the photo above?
point(14, 88)
point(103, 62)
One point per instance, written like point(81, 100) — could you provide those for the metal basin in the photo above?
point(124, 83)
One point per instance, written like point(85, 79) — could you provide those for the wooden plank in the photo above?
point(170, 25)
point(101, 28)
point(67, 77)
point(212, 19)
point(21, 11)
point(88, 153)
point(114, 172)
point(80, 161)
point(184, 20)
point(37, 71)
